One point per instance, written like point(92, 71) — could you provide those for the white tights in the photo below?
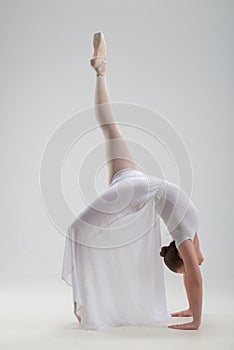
point(117, 152)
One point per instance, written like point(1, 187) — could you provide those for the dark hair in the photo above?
point(171, 257)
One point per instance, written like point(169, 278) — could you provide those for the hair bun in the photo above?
point(172, 245)
point(164, 250)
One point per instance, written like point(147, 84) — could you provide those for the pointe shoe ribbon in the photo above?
point(99, 64)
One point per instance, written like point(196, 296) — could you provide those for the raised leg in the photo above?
point(117, 152)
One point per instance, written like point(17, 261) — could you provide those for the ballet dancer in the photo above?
point(183, 254)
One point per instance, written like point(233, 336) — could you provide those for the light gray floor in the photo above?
point(39, 316)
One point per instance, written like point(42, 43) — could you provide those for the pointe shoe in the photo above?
point(98, 60)
point(74, 311)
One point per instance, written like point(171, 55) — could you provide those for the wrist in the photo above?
point(197, 323)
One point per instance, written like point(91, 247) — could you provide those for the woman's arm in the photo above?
point(197, 249)
point(187, 290)
point(187, 312)
point(194, 284)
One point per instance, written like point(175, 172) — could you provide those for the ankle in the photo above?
point(101, 74)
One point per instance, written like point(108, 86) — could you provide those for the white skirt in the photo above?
point(111, 256)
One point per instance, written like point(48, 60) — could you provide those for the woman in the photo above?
point(180, 215)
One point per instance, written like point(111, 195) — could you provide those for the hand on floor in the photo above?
point(185, 326)
point(184, 313)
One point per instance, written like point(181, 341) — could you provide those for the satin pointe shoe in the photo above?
point(98, 60)
point(75, 313)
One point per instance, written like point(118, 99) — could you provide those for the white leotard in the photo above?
point(174, 206)
point(111, 256)
point(179, 214)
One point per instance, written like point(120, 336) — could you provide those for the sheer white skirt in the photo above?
point(111, 257)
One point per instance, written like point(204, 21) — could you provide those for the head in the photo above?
point(172, 258)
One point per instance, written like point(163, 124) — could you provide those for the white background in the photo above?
point(172, 56)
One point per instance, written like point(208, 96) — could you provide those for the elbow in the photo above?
point(201, 260)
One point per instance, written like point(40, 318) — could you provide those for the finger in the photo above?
point(175, 326)
point(176, 314)
point(182, 327)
